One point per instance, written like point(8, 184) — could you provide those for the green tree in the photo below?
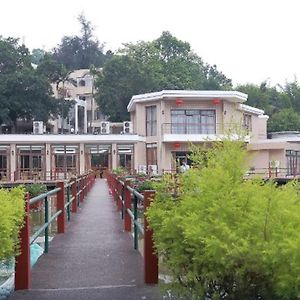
point(265, 97)
point(80, 52)
point(285, 120)
point(37, 55)
point(23, 92)
point(165, 63)
point(223, 237)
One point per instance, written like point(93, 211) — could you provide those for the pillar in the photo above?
point(114, 156)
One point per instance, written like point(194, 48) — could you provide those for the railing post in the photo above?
point(135, 229)
point(61, 206)
point(127, 205)
point(119, 194)
point(150, 258)
point(46, 232)
point(22, 266)
point(81, 189)
point(68, 200)
point(74, 196)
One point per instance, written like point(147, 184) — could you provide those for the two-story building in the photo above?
point(172, 120)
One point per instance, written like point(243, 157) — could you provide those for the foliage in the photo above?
point(145, 185)
point(36, 189)
point(80, 51)
point(37, 55)
point(227, 238)
point(23, 92)
point(285, 120)
point(165, 63)
point(119, 171)
point(11, 218)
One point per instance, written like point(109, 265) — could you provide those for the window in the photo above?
point(293, 162)
point(151, 121)
point(151, 154)
point(247, 122)
point(193, 121)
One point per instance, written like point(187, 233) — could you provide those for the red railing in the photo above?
point(69, 195)
point(128, 201)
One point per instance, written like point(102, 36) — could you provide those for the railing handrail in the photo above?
point(123, 194)
point(22, 271)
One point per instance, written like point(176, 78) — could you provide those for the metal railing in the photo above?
point(203, 128)
point(133, 206)
point(41, 175)
point(69, 195)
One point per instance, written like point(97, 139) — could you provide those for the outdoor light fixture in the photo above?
point(179, 101)
point(216, 101)
point(176, 145)
point(12, 152)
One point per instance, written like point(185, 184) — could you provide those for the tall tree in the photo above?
point(165, 63)
point(37, 55)
point(80, 51)
point(23, 92)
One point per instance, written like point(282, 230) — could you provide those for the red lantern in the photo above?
point(179, 101)
point(176, 145)
point(216, 101)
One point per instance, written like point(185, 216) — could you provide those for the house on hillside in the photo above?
point(85, 116)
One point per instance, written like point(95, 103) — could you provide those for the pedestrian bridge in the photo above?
point(93, 259)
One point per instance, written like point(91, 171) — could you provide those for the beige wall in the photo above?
point(259, 127)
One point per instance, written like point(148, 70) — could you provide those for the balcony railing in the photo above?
point(203, 128)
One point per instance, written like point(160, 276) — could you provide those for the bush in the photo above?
point(36, 189)
point(223, 237)
point(11, 219)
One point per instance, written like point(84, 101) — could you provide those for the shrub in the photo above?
point(11, 218)
point(36, 189)
point(223, 237)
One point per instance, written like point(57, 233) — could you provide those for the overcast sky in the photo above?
point(249, 40)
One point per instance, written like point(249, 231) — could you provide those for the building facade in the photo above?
point(157, 139)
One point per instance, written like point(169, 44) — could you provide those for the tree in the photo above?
point(80, 52)
point(223, 237)
point(270, 99)
point(37, 55)
point(285, 120)
point(165, 63)
point(23, 92)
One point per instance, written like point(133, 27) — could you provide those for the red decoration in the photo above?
point(176, 145)
point(216, 101)
point(179, 101)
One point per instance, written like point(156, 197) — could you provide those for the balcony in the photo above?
point(200, 132)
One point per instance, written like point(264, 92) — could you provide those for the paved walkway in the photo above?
point(94, 259)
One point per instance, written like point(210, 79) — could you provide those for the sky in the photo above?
point(250, 41)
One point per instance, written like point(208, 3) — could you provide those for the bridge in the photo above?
point(95, 258)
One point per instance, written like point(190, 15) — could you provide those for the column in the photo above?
point(48, 162)
point(85, 118)
point(76, 118)
point(114, 157)
point(81, 158)
point(13, 160)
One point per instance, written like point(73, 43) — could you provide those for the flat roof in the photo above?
point(232, 96)
point(69, 138)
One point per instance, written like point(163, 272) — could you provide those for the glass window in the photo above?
point(151, 121)
point(247, 122)
point(193, 121)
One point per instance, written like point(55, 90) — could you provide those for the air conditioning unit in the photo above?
point(104, 127)
point(127, 127)
point(37, 127)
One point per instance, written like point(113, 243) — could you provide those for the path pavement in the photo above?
point(94, 259)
